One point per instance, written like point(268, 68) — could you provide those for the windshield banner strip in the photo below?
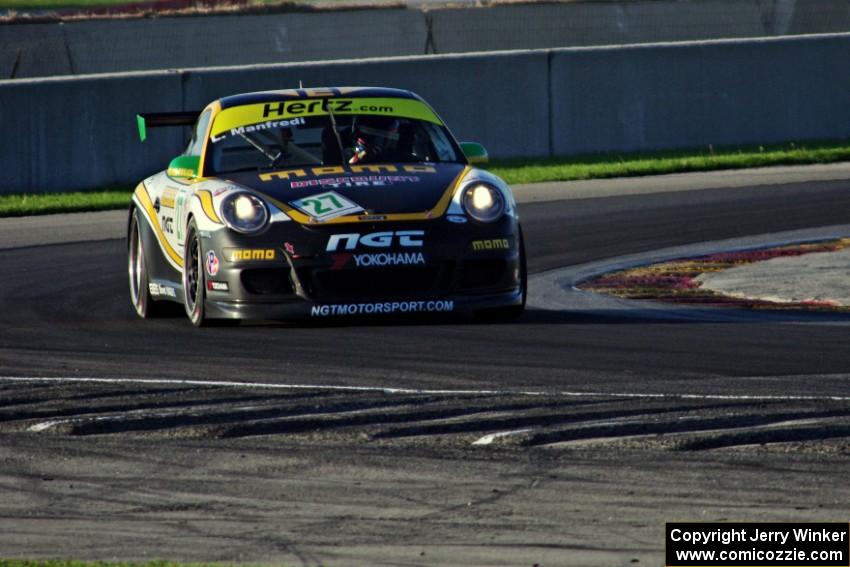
point(251, 114)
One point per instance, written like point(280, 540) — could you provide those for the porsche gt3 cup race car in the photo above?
point(322, 203)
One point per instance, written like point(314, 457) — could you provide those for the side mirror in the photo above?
point(184, 167)
point(475, 153)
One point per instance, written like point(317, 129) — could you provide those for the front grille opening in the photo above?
point(484, 273)
point(266, 281)
point(384, 282)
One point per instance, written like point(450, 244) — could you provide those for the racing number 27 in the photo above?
point(326, 206)
point(331, 203)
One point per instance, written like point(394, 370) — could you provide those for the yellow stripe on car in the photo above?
point(250, 114)
point(144, 200)
point(207, 204)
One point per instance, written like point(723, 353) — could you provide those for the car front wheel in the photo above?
point(194, 280)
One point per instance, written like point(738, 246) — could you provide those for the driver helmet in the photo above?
point(372, 136)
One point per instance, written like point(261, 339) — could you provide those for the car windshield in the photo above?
point(329, 139)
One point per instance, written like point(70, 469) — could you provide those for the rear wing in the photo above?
point(163, 119)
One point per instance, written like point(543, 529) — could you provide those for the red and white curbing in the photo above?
point(802, 276)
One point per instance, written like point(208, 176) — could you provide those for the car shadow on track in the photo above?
point(537, 316)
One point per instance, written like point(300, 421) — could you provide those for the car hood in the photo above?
point(378, 189)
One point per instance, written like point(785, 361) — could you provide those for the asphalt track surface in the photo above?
point(66, 312)
point(593, 426)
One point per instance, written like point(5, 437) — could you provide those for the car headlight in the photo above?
point(244, 212)
point(483, 202)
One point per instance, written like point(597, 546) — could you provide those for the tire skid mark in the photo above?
point(496, 420)
point(209, 412)
point(699, 433)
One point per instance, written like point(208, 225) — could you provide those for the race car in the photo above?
point(323, 203)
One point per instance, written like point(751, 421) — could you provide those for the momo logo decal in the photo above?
point(250, 255)
point(404, 238)
point(492, 244)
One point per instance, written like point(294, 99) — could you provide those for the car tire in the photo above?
point(144, 304)
point(194, 279)
point(514, 311)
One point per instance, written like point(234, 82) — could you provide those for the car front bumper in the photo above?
point(294, 271)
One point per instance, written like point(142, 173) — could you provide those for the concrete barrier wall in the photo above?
point(98, 46)
point(697, 94)
point(599, 23)
point(80, 132)
point(106, 46)
point(69, 134)
point(477, 95)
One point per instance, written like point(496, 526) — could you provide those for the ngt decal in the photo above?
point(385, 308)
point(404, 238)
point(250, 255)
point(492, 244)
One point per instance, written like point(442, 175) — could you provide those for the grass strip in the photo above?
point(602, 166)
point(60, 4)
point(70, 563)
point(514, 171)
point(79, 201)
point(24, 5)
